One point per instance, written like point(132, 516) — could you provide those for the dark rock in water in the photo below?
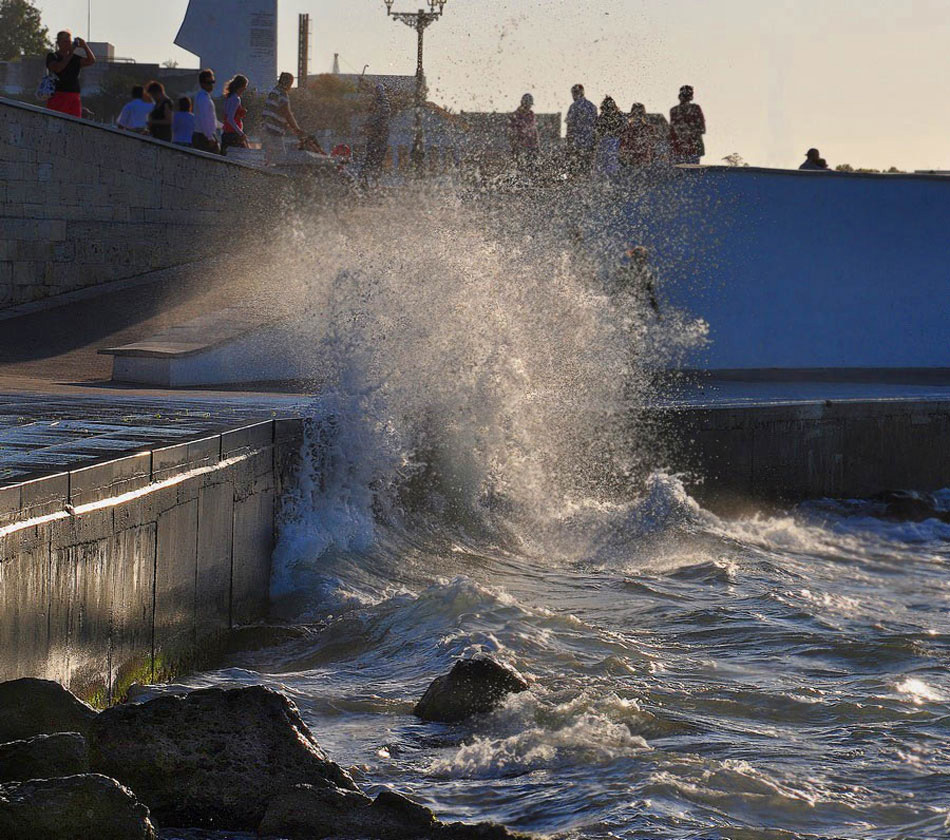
point(260, 636)
point(473, 686)
point(44, 757)
point(911, 506)
point(31, 707)
point(308, 813)
point(72, 808)
point(214, 758)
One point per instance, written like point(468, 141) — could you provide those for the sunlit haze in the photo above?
point(863, 81)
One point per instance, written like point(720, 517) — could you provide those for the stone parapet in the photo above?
point(135, 569)
point(83, 204)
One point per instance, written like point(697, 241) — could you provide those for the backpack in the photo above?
point(47, 87)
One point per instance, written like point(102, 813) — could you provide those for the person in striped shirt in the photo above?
point(278, 119)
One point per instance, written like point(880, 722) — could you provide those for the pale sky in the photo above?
point(863, 80)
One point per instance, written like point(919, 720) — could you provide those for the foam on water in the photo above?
point(477, 477)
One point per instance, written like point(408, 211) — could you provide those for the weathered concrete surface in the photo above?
point(792, 452)
point(158, 555)
point(84, 204)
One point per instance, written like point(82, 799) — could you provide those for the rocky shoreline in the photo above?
point(215, 763)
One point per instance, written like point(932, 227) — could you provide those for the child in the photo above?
point(183, 123)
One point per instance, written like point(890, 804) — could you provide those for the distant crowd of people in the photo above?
point(608, 140)
point(195, 123)
point(192, 123)
point(598, 141)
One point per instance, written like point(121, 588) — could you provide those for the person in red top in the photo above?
point(65, 64)
point(523, 135)
point(687, 127)
point(234, 114)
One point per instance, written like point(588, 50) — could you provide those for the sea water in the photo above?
point(476, 480)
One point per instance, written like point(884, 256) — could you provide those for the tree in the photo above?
point(169, 63)
point(21, 30)
point(735, 159)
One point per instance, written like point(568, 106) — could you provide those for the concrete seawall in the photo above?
point(83, 204)
point(136, 569)
point(786, 453)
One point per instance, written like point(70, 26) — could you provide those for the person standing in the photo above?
point(183, 123)
point(278, 119)
point(610, 127)
point(160, 119)
point(66, 64)
point(205, 137)
point(134, 116)
point(687, 127)
point(581, 128)
point(377, 134)
point(814, 162)
point(523, 135)
point(635, 142)
point(234, 114)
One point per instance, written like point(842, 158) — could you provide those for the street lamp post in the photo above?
point(420, 21)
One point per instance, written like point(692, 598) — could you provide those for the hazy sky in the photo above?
point(864, 80)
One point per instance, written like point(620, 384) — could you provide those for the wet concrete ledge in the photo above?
point(136, 569)
point(742, 455)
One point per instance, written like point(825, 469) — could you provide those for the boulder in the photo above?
point(472, 687)
point(911, 506)
point(31, 707)
point(309, 813)
point(70, 808)
point(211, 759)
point(44, 757)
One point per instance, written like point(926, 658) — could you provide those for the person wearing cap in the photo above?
point(814, 162)
point(581, 127)
point(523, 135)
point(687, 127)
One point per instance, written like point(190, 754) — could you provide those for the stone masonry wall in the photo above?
point(83, 204)
point(136, 569)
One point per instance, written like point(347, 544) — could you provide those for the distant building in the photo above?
point(233, 37)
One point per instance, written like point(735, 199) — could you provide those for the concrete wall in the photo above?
point(162, 553)
point(799, 270)
point(789, 453)
point(82, 204)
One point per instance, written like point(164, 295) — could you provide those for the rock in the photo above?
point(472, 687)
point(260, 636)
point(308, 813)
point(211, 759)
point(911, 506)
point(70, 808)
point(31, 707)
point(44, 757)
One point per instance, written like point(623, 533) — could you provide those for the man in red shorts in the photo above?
point(65, 64)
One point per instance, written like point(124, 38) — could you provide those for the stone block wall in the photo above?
point(83, 204)
point(157, 556)
point(740, 456)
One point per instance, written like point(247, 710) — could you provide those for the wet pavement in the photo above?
point(47, 434)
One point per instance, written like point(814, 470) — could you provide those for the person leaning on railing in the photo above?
point(65, 64)
point(278, 119)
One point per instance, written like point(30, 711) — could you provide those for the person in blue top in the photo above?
point(183, 123)
point(581, 132)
